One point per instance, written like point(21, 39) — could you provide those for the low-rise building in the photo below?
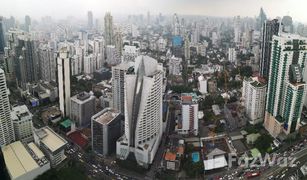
point(51, 143)
point(24, 162)
point(106, 129)
point(173, 155)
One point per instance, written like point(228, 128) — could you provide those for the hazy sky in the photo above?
point(63, 8)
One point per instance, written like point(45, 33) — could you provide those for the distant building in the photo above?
point(188, 123)
point(6, 126)
point(130, 53)
point(82, 109)
point(202, 85)
point(63, 63)
point(113, 57)
point(175, 66)
point(2, 42)
point(254, 94)
point(90, 19)
point(232, 56)
point(52, 144)
point(22, 123)
point(24, 162)
point(269, 29)
point(108, 29)
point(106, 129)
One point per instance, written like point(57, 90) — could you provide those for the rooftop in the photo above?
point(66, 123)
point(18, 160)
point(36, 150)
point(50, 139)
point(105, 117)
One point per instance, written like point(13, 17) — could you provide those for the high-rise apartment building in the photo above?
point(108, 29)
point(27, 23)
point(118, 85)
point(6, 126)
point(269, 29)
point(253, 94)
point(47, 63)
point(286, 88)
point(143, 112)
point(63, 66)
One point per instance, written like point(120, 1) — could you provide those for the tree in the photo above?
point(246, 71)
point(263, 143)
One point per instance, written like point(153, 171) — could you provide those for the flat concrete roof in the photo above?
point(36, 150)
point(106, 117)
point(52, 140)
point(18, 160)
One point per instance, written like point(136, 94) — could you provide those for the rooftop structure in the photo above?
point(22, 163)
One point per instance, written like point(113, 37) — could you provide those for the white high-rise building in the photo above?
point(118, 85)
point(253, 94)
point(22, 123)
point(7, 135)
point(143, 111)
point(202, 85)
point(108, 29)
point(188, 124)
point(89, 64)
point(63, 63)
point(113, 57)
point(99, 48)
point(286, 86)
point(237, 30)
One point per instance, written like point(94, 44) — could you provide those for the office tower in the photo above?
point(261, 19)
point(108, 29)
point(6, 126)
point(286, 88)
point(47, 63)
point(143, 112)
point(27, 23)
point(188, 123)
point(90, 19)
point(51, 143)
point(269, 29)
point(113, 57)
point(22, 123)
point(118, 42)
point(2, 42)
point(82, 108)
point(253, 94)
point(187, 53)
point(118, 85)
point(237, 29)
point(63, 66)
point(106, 128)
point(287, 24)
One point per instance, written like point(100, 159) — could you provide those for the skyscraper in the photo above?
point(90, 19)
point(237, 29)
point(108, 29)
point(6, 126)
point(47, 63)
point(286, 88)
point(27, 23)
point(118, 42)
point(118, 85)
point(143, 112)
point(261, 19)
point(2, 43)
point(63, 64)
point(269, 29)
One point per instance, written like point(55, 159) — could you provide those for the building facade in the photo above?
point(63, 66)
point(286, 88)
point(106, 128)
point(6, 126)
point(254, 94)
point(22, 123)
point(143, 112)
point(82, 109)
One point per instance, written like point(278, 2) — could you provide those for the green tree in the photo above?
point(263, 143)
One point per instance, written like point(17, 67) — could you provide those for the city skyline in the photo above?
point(221, 8)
